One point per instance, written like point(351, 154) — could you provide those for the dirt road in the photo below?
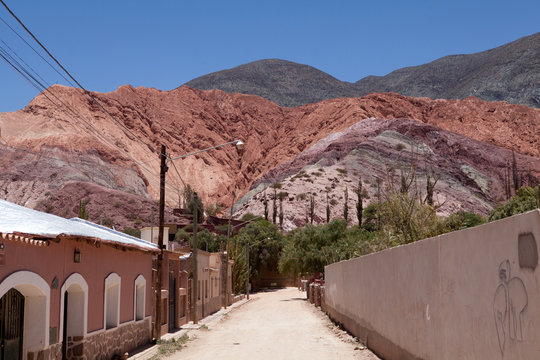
point(273, 325)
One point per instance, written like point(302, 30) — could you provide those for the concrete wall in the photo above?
point(470, 294)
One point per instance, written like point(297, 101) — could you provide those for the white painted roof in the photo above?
point(15, 218)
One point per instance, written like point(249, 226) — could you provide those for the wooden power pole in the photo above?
point(195, 260)
point(159, 263)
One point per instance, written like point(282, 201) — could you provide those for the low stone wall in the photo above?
point(238, 298)
point(114, 342)
point(315, 293)
point(53, 352)
point(470, 294)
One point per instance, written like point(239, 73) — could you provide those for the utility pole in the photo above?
point(229, 231)
point(152, 225)
point(195, 265)
point(247, 278)
point(159, 263)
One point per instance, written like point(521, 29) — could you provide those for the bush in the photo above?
point(131, 231)
point(463, 220)
point(524, 200)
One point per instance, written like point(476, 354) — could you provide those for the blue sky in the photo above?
point(164, 44)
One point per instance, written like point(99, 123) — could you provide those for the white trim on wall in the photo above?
point(112, 283)
point(37, 307)
point(74, 279)
point(140, 281)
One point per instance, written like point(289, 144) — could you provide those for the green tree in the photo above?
point(83, 214)
point(207, 241)
point(239, 268)
point(311, 248)
point(213, 209)
point(196, 204)
point(405, 219)
point(182, 236)
point(188, 195)
point(265, 244)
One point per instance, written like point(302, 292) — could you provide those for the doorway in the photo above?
point(11, 325)
point(172, 301)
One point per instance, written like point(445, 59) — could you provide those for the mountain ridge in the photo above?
point(510, 72)
point(48, 150)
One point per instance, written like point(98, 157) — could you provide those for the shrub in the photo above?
point(131, 231)
point(462, 220)
point(524, 200)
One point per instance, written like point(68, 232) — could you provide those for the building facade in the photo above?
point(70, 289)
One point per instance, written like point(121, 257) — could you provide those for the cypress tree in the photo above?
point(346, 205)
point(327, 208)
point(281, 213)
point(274, 207)
point(265, 202)
point(311, 208)
point(360, 202)
point(515, 174)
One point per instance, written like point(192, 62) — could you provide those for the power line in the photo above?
point(86, 92)
point(97, 133)
point(23, 75)
point(35, 83)
point(30, 78)
point(25, 63)
point(37, 53)
point(37, 86)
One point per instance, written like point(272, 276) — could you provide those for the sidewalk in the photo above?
point(147, 352)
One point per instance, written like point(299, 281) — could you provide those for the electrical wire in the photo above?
point(25, 63)
point(25, 73)
point(97, 133)
point(37, 53)
point(30, 78)
point(86, 92)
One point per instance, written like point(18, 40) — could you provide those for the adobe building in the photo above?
point(177, 275)
point(70, 288)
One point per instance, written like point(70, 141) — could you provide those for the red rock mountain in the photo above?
point(51, 147)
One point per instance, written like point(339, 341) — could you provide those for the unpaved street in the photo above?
point(273, 325)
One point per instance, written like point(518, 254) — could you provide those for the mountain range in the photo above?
point(61, 158)
point(54, 161)
point(510, 72)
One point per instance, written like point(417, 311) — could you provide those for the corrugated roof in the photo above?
point(18, 219)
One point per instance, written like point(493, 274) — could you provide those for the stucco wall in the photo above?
point(55, 263)
point(471, 294)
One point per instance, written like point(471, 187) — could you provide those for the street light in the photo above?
point(163, 170)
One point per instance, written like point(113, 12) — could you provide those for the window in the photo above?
point(140, 297)
point(112, 301)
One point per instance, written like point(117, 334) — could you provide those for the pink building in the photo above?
point(71, 289)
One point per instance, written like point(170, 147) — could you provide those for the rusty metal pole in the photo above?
point(159, 262)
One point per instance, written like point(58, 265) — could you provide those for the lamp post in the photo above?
point(163, 170)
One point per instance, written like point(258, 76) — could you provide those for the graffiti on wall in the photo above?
point(509, 304)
